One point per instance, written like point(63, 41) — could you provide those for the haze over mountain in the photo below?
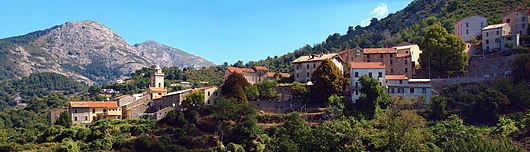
point(87, 51)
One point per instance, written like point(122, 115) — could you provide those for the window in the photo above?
point(367, 60)
point(507, 20)
point(391, 55)
point(159, 94)
point(356, 92)
point(406, 61)
point(380, 74)
point(406, 70)
point(523, 25)
point(356, 84)
point(86, 117)
point(208, 93)
point(391, 70)
point(75, 110)
point(487, 41)
point(358, 52)
point(208, 101)
point(104, 110)
point(411, 90)
point(398, 90)
point(381, 55)
point(481, 24)
point(497, 32)
point(487, 34)
point(424, 90)
point(307, 66)
point(392, 91)
point(467, 24)
point(75, 118)
point(380, 84)
point(400, 81)
point(370, 74)
point(314, 66)
point(215, 93)
point(356, 74)
point(93, 110)
point(509, 38)
point(368, 56)
point(307, 75)
point(497, 40)
point(391, 62)
point(297, 75)
point(523, 18)
point(467, 31)
point(297, 67)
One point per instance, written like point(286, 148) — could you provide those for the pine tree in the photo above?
point(65, 119)
point(327, 80)
point(442, 52)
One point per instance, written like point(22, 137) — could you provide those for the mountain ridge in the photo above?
point(87, 51)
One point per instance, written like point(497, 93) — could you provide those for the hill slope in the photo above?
point(168, 56)
point(86, 50)
point(407, 25)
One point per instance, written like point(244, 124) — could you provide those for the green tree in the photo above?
point(335, 107)
point(400, 130)
point(521, 68)
point(438, 105)
point(252, 92)
point(442, 52)
point(65, 119)
point(194, 99)
point(327, 80)
point(299, 91)
point(267, 90)
point(372, 96)
point(234, 86)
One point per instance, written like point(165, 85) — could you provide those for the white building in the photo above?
point(492, 36)
point(375, 70)
point(470, 27)
point(518, 21)
point(415, 89)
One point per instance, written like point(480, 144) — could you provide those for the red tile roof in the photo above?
point(92, 104)
point(379, 50)
point(240, 70)
point(285, 75)
point(396, 77)
point(367, 65)
point(261, 68)
point(270, 74)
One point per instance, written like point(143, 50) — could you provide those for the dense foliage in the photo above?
point(442, 52)
point(327, 80)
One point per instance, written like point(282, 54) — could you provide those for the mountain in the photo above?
point(87, 51)
point(168, 56)
point(407, 25)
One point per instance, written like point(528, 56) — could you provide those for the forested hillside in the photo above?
point(407, 25)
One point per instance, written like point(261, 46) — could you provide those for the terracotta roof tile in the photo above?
point(270, 74)
point(316, 57)
point(379, 50)
point(285, 75)
point(367, 65)
point(92, 104)
point(261, 68)
point(396, 77)
point(240, 70)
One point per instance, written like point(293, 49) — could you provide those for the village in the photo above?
point(395, 68)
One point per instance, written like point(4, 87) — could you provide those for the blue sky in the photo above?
point(218, 30)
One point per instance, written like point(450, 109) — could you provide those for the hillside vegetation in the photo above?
point(407, 25)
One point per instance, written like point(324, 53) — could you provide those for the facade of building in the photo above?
point(304, 66)
point(492, 36)
point(211, 94)
point(157, 89)
point(173, 99)
point(55, 114)
point(470, 27)
point(255, 75)
point(86, 112)
point(518, 21)
point(396, 61)
point(375, 70)
point(415, 89)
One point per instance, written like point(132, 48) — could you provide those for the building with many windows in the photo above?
point(415, 89)
point(304, 66)
point(87, 111)
point(375, 70)
point(492, 36)
point(518, 21)
point(469, 27)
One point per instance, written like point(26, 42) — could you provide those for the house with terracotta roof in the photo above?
point(305, 65)
point(415, 89)
point(469, 27)
point(253, 75)
point(211, 94)
point(375, 70)
point(398, 60)
point(87, 111)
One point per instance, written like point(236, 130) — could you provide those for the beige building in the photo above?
point(255, 75)
point(211, 94)
point(518, 21)
point(304, 66)
point(409, 49)
point(492, 36)
point(156, 88)
point(396, 61)
point(87, 111)
point(470, 27)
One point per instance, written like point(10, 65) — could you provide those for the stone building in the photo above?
point(304, 66)
point(375, 70)
point(135, 106)
point(518, 21)
point(55, 114)
point(470, 27)
point(492, 36)
point(396, 61)
point(156, 88)
point(211, 94)
point(255, 75)
point(415, 89)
